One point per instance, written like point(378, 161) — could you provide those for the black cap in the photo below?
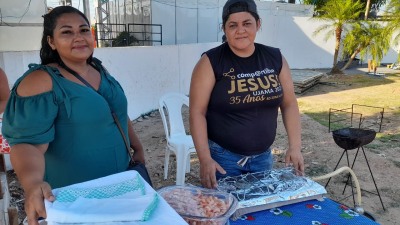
point(245, 6)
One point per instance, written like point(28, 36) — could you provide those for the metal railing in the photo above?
point(149, 34)
point(131, 34)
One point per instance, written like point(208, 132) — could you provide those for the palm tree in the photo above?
point(337, 13)
point(368, 3)
point(367, 38)
point(367, 9)
point(376, 3)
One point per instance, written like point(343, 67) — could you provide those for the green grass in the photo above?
point(355, 89)
point(388, 137)
point(396, 163)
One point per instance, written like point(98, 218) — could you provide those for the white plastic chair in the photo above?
point(177, 140)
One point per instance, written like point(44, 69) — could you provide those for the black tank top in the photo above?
point(243, 108)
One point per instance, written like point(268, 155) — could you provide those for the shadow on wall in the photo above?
point(301, 49)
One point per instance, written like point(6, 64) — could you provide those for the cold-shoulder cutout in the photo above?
point(74, 120)
point(35, 83)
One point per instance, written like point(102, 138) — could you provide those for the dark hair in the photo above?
point(47, 54)
point(240, 6)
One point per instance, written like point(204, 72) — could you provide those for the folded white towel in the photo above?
point(116, 198)
point(84, 210)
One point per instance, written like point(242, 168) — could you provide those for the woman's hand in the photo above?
point(291, 120)
point(136, 145)
point(138, 156)
point(208, 168)
point(34, 204)
point(28, 163)
point(295, 158)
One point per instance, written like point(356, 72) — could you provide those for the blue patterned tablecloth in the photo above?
point(313, 212)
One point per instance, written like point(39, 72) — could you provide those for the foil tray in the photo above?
point(269, 189)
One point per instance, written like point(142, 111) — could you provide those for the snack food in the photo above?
point(200, 206)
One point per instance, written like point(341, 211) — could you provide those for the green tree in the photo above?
point(367, 4)
point(124, 39)
point(367, 8)
point(336, 14)
point(367, 38)
point(377, 3)
point(317, 3)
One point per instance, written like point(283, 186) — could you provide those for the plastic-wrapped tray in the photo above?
point(269, 189)
point(198, 205)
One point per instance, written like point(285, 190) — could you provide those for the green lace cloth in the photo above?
point(116, 198)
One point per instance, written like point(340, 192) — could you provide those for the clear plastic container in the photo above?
point(200, 206)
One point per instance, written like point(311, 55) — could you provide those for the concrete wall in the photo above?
point(286, 26)
point(20, 38)
point(21, 24)
point(145, 73)
point(199, 21)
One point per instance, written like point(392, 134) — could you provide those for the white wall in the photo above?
point(191, 21)
point(296, 41)
point(22, 11)
point(21, 38)
point(16, 63)
point(186, 21)
point(20, 27)
point(145, 73)
point(286, 26)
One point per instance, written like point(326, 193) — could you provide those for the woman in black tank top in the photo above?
point(236, 91)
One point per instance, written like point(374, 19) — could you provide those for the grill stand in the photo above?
point(349, 177)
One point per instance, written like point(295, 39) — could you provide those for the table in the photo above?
point(312, 212)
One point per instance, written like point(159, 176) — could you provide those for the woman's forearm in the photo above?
point(133, 138)
point(201, 86)
point(28, 163)
point(291, 121)
point(198, 128)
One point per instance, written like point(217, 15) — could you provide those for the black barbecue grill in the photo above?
point(350, 138)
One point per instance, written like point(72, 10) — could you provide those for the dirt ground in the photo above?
point(320, 153)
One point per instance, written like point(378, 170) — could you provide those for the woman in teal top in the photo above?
point(62, 131)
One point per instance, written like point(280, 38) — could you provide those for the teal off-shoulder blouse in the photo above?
point(76, 121)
